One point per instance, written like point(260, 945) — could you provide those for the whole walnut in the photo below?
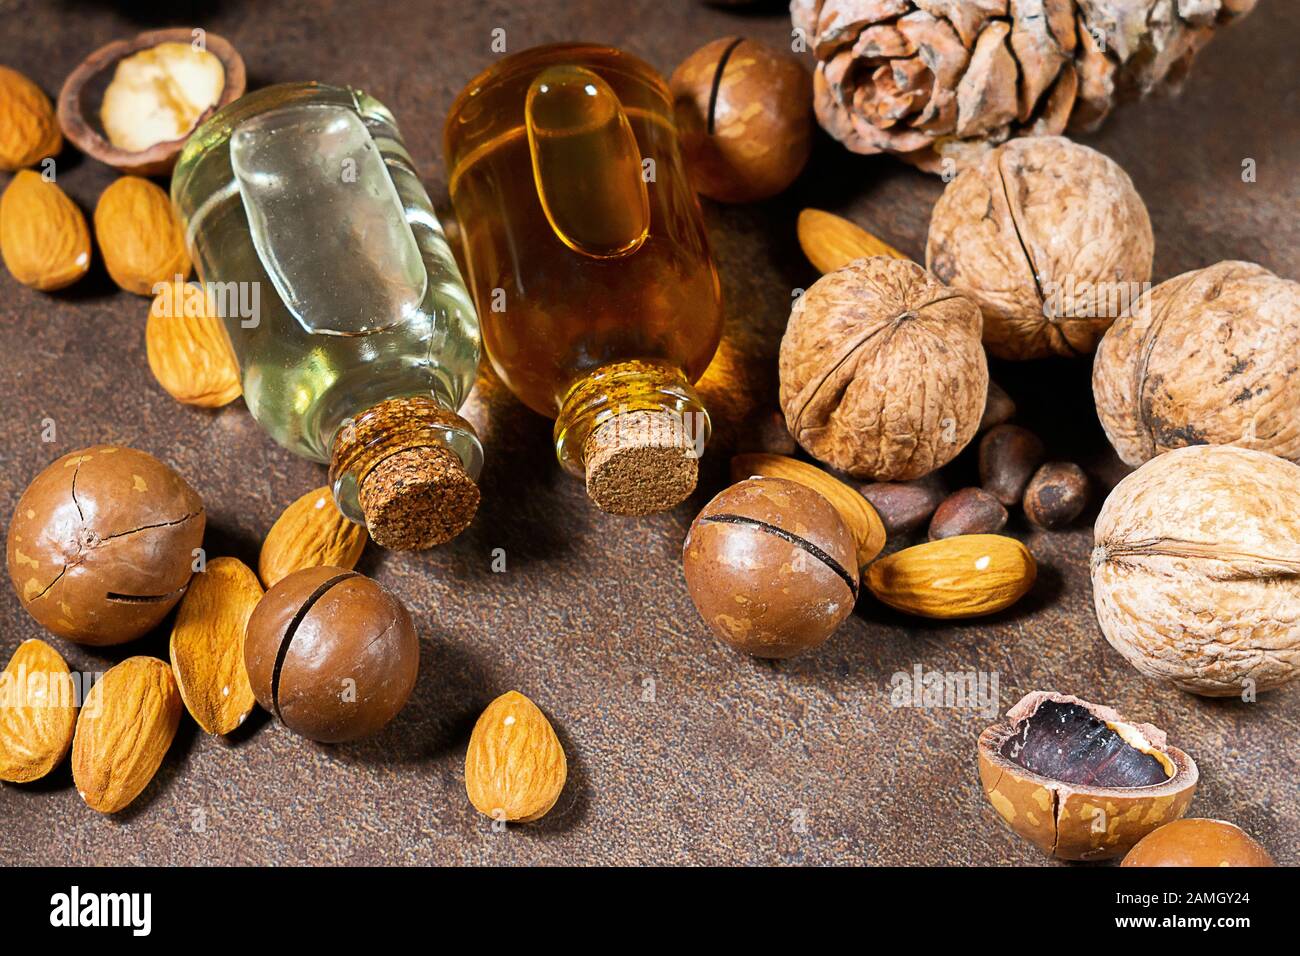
point(1049, 238)
point(882, 373)
point(1196, 569)
point(1206, 358)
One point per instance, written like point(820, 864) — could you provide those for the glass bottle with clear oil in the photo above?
point(587, 256)
point(356, 337)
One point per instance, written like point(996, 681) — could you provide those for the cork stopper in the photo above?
point(418, 498)
point(406, 467)
point(640, 462)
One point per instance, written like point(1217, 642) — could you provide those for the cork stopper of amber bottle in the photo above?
point(640, 462)
point(412, 487)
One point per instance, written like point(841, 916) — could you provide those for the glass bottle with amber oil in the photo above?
point(587, 256)
point(356, 338)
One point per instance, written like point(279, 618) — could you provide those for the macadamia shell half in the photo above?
point(1078, 780)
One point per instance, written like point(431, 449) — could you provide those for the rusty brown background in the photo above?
point(680, 751)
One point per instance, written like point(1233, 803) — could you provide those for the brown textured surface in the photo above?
point(1030, 232)
point(418, 498)
point(1196, 569)
point(679, 749)
point(639, 463)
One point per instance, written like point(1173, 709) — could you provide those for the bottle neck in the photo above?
point(388, 429)
point(620, 389)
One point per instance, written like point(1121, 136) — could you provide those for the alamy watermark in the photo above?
point(225, 300)
point(686, 430)
point(950, 690)
point(37, 689)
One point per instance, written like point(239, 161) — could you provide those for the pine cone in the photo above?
point(937, 79)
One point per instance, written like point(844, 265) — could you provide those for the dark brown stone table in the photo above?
point(680, 751)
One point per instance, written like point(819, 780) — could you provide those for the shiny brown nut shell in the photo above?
point(999, 407)
point(1009, 456)
point(904, 506)
point(1206, 358)
point(1197, 842)
point(858, 515)
point(1056, 495)
point(331, 653)
point(78, 112)
point(969, 511)
point(771, 567)
point(882, 372)
point(102, 544)
point(1086, 817)
point(744, 115)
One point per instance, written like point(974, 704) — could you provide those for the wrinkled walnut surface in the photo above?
point(1049, 238)
point(1196, 569)
point(882, 373)
point(1207, 358)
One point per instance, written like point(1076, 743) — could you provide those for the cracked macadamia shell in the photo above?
point(101, 545)
point(1196, 569)
point(1207, 358)
point(882, 371)
point(1049, 238)
point(1082, 820)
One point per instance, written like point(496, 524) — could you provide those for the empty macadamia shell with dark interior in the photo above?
point(83, 92)
point(1080, 781)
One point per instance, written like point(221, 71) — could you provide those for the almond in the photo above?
point(858, 514)
point(28, 130)
point(831, 242)
point(43, 236)
point(311, 533)
point(515, 767)
point(963, 576)
point(126, 724)
point(189, 352)
point(207, 646)
point(38, 712)
point(140, 236)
